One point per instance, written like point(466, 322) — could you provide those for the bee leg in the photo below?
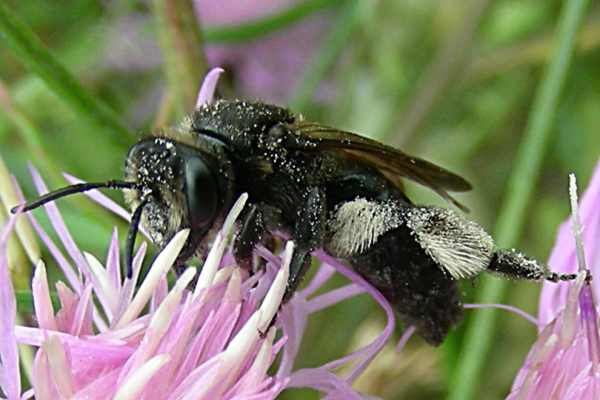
point(308, 235)
point(515, 265)
point(251, 233)
point(298, 267)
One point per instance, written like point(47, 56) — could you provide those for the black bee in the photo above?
point(326, 189)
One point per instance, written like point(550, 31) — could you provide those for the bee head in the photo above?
point(169, 186)
point(176, 187)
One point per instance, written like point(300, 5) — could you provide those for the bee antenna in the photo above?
point(131, 235)
point(72, 189)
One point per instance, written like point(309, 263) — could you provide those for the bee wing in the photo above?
point(392, 162)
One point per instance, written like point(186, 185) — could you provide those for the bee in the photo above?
point(324, 188)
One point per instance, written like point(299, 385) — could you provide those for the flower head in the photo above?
point(269, 67)
point(564, 363)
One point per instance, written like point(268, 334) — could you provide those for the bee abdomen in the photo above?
point(423, 295)
point(378, 241)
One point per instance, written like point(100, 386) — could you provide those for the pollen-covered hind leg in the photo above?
point(514, 264)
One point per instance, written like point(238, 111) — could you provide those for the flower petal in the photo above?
point(159, 323)
point(207, 90)
point(59, 225)
point(9, 197)
point(563, 257)
point(44, 311)
point(105, 291)
point(161, 265)
point(11, 375)
point(59, 365)
point(135, 383)
point(213, 260)
point(113, 265)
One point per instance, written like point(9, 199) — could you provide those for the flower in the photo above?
point(196, 338)
point(269, 67)
point(564, 361)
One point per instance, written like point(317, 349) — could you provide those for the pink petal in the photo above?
point(60, 366)
point(43, 384)
point(41, 298)
point(68, 304)
point(293, 319)
point(367, 353)
point(59, 226)
point(62, 262)
point(113, 265)
point(101, 388)
point(323, 380)
point(197, 345)
point(207, 90)
point(82, 320)
point(128, 287)
point(321, 277)
point(333, 297)
point(159, 294)
point(11, 375)
point(563, 258)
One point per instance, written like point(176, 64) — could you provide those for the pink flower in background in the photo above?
point(269, 67)
point(564, 363)
point(201, 338)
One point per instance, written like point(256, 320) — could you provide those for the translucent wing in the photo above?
point(393, 163)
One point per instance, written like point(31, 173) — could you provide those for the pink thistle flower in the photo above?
point(260, 66)
point(203, 338)
point(564, 361)
point(269, 67)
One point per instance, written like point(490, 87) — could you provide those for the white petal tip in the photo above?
point(272, 300)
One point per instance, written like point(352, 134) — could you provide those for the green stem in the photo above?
point(25, 301)
point(181, 42)
point(255, 29)
point(528, 163)
point(34, 54)
point(327, 55)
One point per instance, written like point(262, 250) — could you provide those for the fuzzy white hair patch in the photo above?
point(357, 224)
point(459, 246)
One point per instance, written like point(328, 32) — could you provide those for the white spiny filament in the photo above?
point(576, 223)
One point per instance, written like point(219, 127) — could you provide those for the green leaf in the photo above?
point(512, 216)
point(25, 301)
point(34, 54)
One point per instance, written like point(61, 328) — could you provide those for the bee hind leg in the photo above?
point(516, 265)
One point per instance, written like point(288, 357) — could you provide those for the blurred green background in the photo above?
point(451, 81)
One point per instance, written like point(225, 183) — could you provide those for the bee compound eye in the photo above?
point(200, 192)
